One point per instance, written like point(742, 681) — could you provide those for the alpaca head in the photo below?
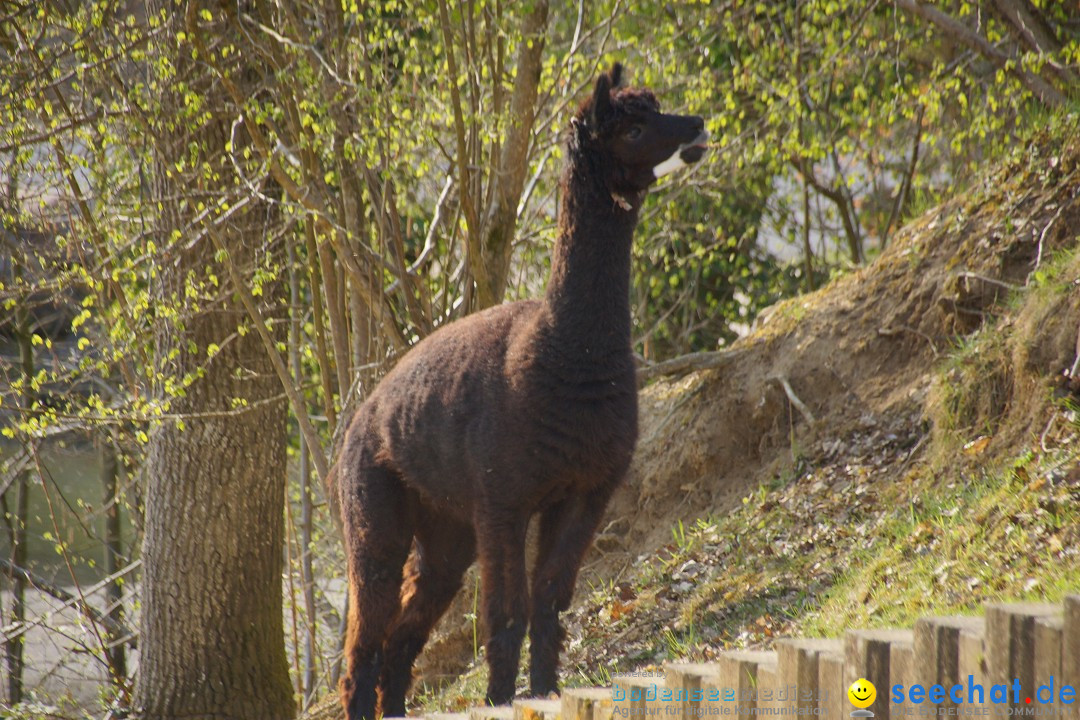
point(634, 142)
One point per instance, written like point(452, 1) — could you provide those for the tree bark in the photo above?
point(212, 635)
point(501, 226)
point(116, 653)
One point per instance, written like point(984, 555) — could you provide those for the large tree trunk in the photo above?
point(212, 640)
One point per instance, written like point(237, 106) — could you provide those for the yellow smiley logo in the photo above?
point(862, 693)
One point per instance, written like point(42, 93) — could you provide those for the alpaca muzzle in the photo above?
point(687, 154)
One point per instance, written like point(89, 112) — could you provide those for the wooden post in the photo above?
point(493, 712)
point(972, 662)
point(586, 704)
point(797, 663)
point(1047, 680)
point(902, 664)
point(868, 655)
point(737, 677)
point(937, 647)
point(833, 686)
point(1010, 641)
point(685, 680)
point(1070, 648)
point(534, 709)
point(772, 695)
point(634, 694)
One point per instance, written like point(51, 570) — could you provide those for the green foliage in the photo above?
point(834, 96)
point(700, 276)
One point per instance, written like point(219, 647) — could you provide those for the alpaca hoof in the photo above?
point(492, 699)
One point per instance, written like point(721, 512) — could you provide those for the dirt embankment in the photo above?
point(859, 353)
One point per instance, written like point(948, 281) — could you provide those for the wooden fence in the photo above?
point(1015, 660)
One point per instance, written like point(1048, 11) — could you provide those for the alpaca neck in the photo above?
point(589, 290)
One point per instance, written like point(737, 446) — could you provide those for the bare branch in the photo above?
point(309, 198)
point(841, 198)
point(794, 400)
point(116, 629)
point(691, 362)
point(490, 263)
point(464, 171)
point(905, 183)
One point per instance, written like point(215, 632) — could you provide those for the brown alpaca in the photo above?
point(529, 407)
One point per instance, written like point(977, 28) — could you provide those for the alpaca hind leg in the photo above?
point(566, 530)
point(440, 556)
point(378, 533)
point(506, 601)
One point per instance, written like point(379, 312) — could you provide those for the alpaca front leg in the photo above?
point(566, 531)
point(506, 605)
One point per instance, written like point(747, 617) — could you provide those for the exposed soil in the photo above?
point(858, 354)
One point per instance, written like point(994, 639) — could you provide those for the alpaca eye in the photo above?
point(634, 132)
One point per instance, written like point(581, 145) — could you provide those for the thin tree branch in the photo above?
point(691, 362)
point(794, 400)
point(501, 224)
point(905, 183)
point(844, 206)
point(321, 354)
point(309, 198)
point(1031, 29)
point(464, 172)
point(961, 33)
point(119, 630)
point(299, 407)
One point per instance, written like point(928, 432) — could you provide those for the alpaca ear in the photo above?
point(601, 101)
point(616, 75)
